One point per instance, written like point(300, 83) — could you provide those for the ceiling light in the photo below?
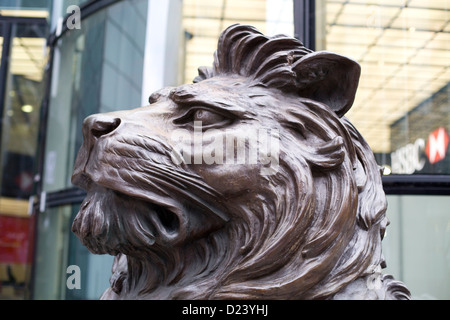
point(27, 108)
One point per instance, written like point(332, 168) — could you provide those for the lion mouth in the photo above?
point(167, 223)
point(114, 221)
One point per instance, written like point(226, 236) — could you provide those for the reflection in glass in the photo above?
point(96, 69)
point(20, 123)
point(203, 21)
point(403, 48)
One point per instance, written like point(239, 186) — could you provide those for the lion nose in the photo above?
point(94, 127)
point(100, 124)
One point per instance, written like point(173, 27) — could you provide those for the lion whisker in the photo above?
point(192, 181)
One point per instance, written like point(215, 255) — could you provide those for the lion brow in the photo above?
point(191, 99)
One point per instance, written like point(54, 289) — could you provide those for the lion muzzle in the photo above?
point(136, 196)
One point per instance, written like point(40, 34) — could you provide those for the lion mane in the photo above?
point(311, 230)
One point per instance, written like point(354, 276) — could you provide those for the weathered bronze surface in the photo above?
point(295, 210)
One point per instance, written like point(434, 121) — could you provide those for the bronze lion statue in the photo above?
point(296, 210)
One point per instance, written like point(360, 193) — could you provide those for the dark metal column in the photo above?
point(6, 48)
point(304, 22)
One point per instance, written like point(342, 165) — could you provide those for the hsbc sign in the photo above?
point(408, 159)
point(413, 157)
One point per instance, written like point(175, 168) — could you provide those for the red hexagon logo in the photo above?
point(436, 147)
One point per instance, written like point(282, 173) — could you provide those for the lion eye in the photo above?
point(209, 119)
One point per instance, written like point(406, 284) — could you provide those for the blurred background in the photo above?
point(54, 73)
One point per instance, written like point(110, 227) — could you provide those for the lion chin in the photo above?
point(249, 183)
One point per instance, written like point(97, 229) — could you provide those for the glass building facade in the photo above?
point(54, 73)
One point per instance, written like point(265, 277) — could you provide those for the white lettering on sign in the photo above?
point(408, 159)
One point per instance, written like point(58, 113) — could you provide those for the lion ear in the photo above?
point(328, 78)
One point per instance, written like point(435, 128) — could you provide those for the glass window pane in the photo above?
point(203, 21)
point(402, 104)
point(58, 251)
point(97, 68)
point(19, 131)
point(51, 253)
point(21, 114)
point(417, 244)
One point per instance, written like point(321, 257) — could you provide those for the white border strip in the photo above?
point(155, 48)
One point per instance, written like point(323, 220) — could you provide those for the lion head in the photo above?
point(190, 209)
